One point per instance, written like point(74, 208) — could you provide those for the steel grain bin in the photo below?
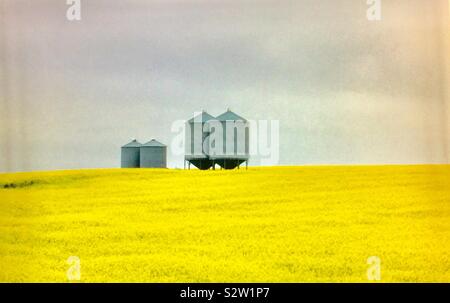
point(235, 140)
point(130, 155)
point(197, 141)
point(153, 154)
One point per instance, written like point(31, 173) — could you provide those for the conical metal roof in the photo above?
point(230, 116)
point(202, 117)
point(133, 143)
point(153, 143)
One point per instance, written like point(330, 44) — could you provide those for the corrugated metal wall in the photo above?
point(153, 157)
point(130, 157)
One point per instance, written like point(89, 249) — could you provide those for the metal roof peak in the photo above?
point(201, 117)
point(230, 116)
point(133, 143)
point(153, 143)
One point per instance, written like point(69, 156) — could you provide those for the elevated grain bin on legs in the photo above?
point(236, 142)
point(197, 133)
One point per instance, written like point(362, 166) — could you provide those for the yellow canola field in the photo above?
point(277, 224)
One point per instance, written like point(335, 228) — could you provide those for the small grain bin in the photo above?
point(130, 155)
point(153, 154)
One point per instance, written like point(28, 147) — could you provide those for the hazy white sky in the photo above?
point(346, 90)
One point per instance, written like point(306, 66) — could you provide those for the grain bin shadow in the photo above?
point(18, 184)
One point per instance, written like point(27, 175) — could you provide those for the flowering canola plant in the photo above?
point(274, 224)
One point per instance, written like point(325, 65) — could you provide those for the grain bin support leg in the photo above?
point(246, 165)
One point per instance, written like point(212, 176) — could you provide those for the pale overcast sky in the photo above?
point(345, 90)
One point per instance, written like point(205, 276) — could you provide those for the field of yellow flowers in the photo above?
point(278, 224)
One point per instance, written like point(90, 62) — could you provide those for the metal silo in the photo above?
point(235, 132)
point(196, 141)
point(130, 155)
point(153, 155)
